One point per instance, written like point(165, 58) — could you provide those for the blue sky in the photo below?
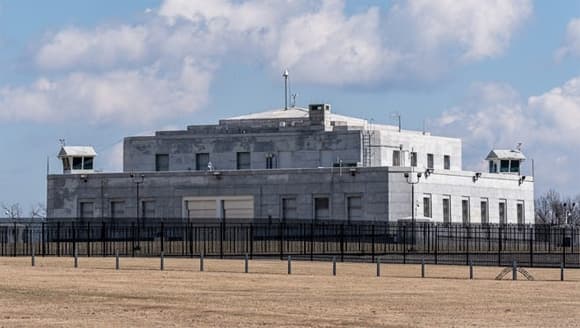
point(494, 73)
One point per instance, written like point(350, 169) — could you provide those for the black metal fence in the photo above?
point(404, 242)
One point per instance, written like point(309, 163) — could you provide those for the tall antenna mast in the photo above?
point(285, 75)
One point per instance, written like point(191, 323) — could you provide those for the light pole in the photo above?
point(138, 180)
point(285, 75)
point(412, 182)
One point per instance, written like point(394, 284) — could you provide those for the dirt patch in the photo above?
point(55, 294)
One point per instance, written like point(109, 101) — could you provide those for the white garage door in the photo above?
point(202, 208)
point(228, 207)
point(242, 208)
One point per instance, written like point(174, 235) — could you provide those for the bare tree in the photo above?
point(552, 208)
point(12, 211)
point(38, 211)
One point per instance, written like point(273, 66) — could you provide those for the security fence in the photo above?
point(403, 242)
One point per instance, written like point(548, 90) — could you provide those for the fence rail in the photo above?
point(529, 245)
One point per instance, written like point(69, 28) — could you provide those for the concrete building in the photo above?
point(295, 163)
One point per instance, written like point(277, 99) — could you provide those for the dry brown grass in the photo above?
point(55, 294)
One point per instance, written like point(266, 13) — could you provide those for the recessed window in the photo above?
point(201, 161)
point(520, 212)
point(430, 161)
point(117, 209)
point(502, 212)
point(515, 166)
point(148, 209)
point(88, 163)
point(414, 159)
point(465, 210)
point(446, 162)
point(396, 158)
point(484, 211)
point(289, 208)
point(321, 208)
point(427, 205)
point(447, 209)
point(492, 167)
point(269, 161)
point(86, 210)
point(161, 162)
point(354, 208)
point(243, 161)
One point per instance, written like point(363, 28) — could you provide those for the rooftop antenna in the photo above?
point(285, 75)
point(519, 146)
point(293, 102)
point(398, 117)
point(62, 142)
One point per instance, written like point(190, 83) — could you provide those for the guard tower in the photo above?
point(505, 161)
point(77, 159)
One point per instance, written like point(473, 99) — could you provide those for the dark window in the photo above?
point(484, 211)
point(492, 167)
point(66, 164)
point(269, 161)
point(502, 212)
point(427, 206)
point(321, 208)
point(354, 208)
point(504, 166)
point(447, 209)
point(515, 166)
point(465, 211)
point(430, 161)
point(86, 210)
point(396, 158)
point(117, 209)
point(446, 162)
point(289, 208)
point(243, 161)
point(520, 209)
point(413, 159)
point(148, 209)
point(88, 163)
point(201, 161)
point(161, 162)
point(77, 163)
point(344, 164)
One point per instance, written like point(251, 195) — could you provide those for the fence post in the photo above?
point(76, 255)
point(281, 226)
point(471, 270)
point(133, 243)
point(201, 262)
point(252, 240)
point(33, 259)
point(561, 271)
point(373, 242)
point(14, 236)
point(404, 244)
point(162, 261)
point(564, 246)
point(43, 240)
point(222, 232)
point(499, 245)
point(117, 267)
point(289, 264)
point(246, 263)
point(89, 239)
point(514, 270)
point(422, 268)
point(334, 265)
point(531, 246)
point(378, 266)
point(342, 242)
point(436, 243)
point(162, 236)
point(58, 238)
point(311, 241)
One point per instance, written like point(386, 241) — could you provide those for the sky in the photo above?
point(494, 73)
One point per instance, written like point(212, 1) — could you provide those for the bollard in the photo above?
point(422, 268)
point(378, 266)
point(514, 270)
point(33, 259)
point(289, 264)
point(562, 271)
point(76, 259)
point(246, 263)
point(334, 265)
point(201, 262)
point(471, 270)
point(162, 262)
point(117, 260)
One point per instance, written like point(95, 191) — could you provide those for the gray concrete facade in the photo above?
point(295, 164)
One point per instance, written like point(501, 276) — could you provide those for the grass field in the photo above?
point(55, 294)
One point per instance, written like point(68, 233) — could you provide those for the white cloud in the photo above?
point(496, 116)
point(163, 66)
point(126, 96)
point(571, 44)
